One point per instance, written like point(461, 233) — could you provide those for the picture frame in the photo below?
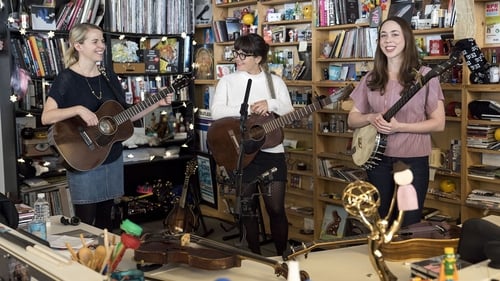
point(334, 222)
point(171, 53)
point(204, 61)
point(224, 69)
point(207, 179)
point(43, 17)
point(203, 11)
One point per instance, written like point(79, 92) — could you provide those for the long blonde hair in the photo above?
point(77, 35)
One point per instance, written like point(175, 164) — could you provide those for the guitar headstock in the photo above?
point(182, 81)
point(191, 167)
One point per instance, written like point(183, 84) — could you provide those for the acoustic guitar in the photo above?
point(368, 145)
point(86, 147)
point(182, 218)
point(224, 135)
point(417, 241)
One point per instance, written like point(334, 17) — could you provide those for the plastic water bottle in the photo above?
point(42, 209)
point(38, 226)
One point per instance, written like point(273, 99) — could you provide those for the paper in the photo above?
point(59, 241)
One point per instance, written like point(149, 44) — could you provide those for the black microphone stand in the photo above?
point(238, 173)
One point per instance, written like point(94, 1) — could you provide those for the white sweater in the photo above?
point(230, 93)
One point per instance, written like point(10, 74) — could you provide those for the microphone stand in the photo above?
point(239, 165)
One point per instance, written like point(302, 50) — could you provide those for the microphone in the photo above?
point(265, 179)
point(267, 175)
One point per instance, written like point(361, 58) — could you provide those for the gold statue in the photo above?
point(361, 199)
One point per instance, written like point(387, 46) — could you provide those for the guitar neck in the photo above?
point(307, 110)
point(182, 200)
point(307, 247)
point(405, 97)
point(128, 113)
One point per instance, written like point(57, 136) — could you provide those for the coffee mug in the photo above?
point(436, 159)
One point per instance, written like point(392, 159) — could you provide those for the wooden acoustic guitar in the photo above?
point(182, 218)
point(86, 147)
point(224, 135)
point(417, 241)
point(368, 145)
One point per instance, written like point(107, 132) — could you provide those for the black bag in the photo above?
point(8, 212)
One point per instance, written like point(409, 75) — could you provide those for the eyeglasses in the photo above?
point(241, 55)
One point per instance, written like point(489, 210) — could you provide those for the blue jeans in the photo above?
point(382, 178)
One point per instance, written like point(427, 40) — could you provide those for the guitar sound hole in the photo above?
point(107, 126)
point(256, 133)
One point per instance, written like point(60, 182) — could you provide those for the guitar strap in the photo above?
point(270, 84)
point(103, 72)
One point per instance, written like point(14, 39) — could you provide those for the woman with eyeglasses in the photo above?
point(250, 56)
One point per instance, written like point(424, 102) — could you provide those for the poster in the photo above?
point(492, 20)
point(334, 222)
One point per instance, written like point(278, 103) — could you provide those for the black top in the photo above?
point(71, 89)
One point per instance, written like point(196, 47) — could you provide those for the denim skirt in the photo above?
point(100, 184)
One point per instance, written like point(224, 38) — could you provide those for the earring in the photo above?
point(72, 221)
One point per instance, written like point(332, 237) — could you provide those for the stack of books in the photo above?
point(480, 136)
point(484, 198)
point(484, 171)
point(26, 214)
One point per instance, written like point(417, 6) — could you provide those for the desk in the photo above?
point(344, 264)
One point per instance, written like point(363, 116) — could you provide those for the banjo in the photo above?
point(368, 145)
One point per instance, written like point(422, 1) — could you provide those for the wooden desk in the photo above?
point(345, 264)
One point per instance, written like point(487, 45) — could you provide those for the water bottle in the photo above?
point(38, 226)
point(42, 209)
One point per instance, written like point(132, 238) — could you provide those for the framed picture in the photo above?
point(43, 17)
point(207, 179)
point(171, 53)
point(203, 11)
point(225, 69)
point(204, 61)
point(334, 222)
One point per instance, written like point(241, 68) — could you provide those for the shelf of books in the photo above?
point(56, 191)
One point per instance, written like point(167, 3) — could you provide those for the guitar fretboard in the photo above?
point(305, 111)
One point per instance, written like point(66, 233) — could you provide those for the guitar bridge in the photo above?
point(86, 138)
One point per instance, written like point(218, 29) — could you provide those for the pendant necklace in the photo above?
point(99, 97)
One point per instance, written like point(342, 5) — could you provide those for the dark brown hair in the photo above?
point(380, 75)
point(253, 44)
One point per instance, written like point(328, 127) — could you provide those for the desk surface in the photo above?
point(344, 264)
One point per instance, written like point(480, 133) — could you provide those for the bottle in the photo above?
point(448, 270)
point(494, 70)
point(23, 16)
point(42, 208)
point(38, 226)
point(206, 99)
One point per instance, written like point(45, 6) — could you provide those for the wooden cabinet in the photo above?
point(320, 143)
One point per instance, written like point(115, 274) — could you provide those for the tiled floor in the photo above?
point(215, 230)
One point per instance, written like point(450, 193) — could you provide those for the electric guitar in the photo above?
point(368, 145)
point(86, 147)
point(224, 135)
point(182, 218)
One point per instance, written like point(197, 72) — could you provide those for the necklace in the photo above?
point(99, 97)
